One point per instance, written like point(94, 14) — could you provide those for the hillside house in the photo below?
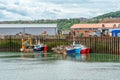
point(66, 32)
point(110, 20)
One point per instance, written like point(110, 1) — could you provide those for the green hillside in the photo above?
point(108, 15)
point(67, 23)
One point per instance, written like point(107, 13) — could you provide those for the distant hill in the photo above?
point(65, 24)
point(112, 17)
point(109, 15)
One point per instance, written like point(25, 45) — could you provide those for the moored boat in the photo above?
point(74, 50)
point(38, 48)
point(77, 50)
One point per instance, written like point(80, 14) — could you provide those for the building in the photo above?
point(87, 29)
point(66, 32)
point(34, 29)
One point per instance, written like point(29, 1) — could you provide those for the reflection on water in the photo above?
point(30, 68)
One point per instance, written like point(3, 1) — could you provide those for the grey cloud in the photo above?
point(49, 14)
point(22, 13)
point(2, 16)
point(13, 10)
point(2, 8)
point(58, 8)
point(64, 1)
point(16, 3)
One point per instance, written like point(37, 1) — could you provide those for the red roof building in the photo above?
point(86, 29)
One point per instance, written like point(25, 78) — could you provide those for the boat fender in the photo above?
point(21, 49)
point(45, 48)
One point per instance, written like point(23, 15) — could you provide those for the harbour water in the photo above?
point(18, 68)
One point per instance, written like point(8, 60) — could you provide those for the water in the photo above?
point(17, 68)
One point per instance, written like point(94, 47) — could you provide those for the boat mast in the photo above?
point(73, 35)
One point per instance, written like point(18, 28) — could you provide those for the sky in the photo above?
point(55, 9)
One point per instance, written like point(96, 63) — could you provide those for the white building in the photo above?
point(34, 29)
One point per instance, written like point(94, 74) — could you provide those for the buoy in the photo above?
point(45, 50)
point(21, 49)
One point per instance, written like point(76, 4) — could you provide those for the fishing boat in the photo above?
point(73, 50)
point(38, 48)
point(77, 49)
point(28, 47)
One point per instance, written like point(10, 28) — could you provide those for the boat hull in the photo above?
point(38, 49)
point(75, 52)
point(85, 51)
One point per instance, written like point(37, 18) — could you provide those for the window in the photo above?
point(85, 29)
point(103, 25)
point(90, 28)
point(76, 29)
point(95, 28)
point(114, 26)
point(86, 32)
point(79, 28)
point(119, 26)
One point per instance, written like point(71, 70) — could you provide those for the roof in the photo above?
point(27, 25)
point(98, 25)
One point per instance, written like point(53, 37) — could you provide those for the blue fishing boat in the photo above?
point(74, 51)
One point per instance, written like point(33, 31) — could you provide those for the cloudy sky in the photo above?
point(55, 9)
